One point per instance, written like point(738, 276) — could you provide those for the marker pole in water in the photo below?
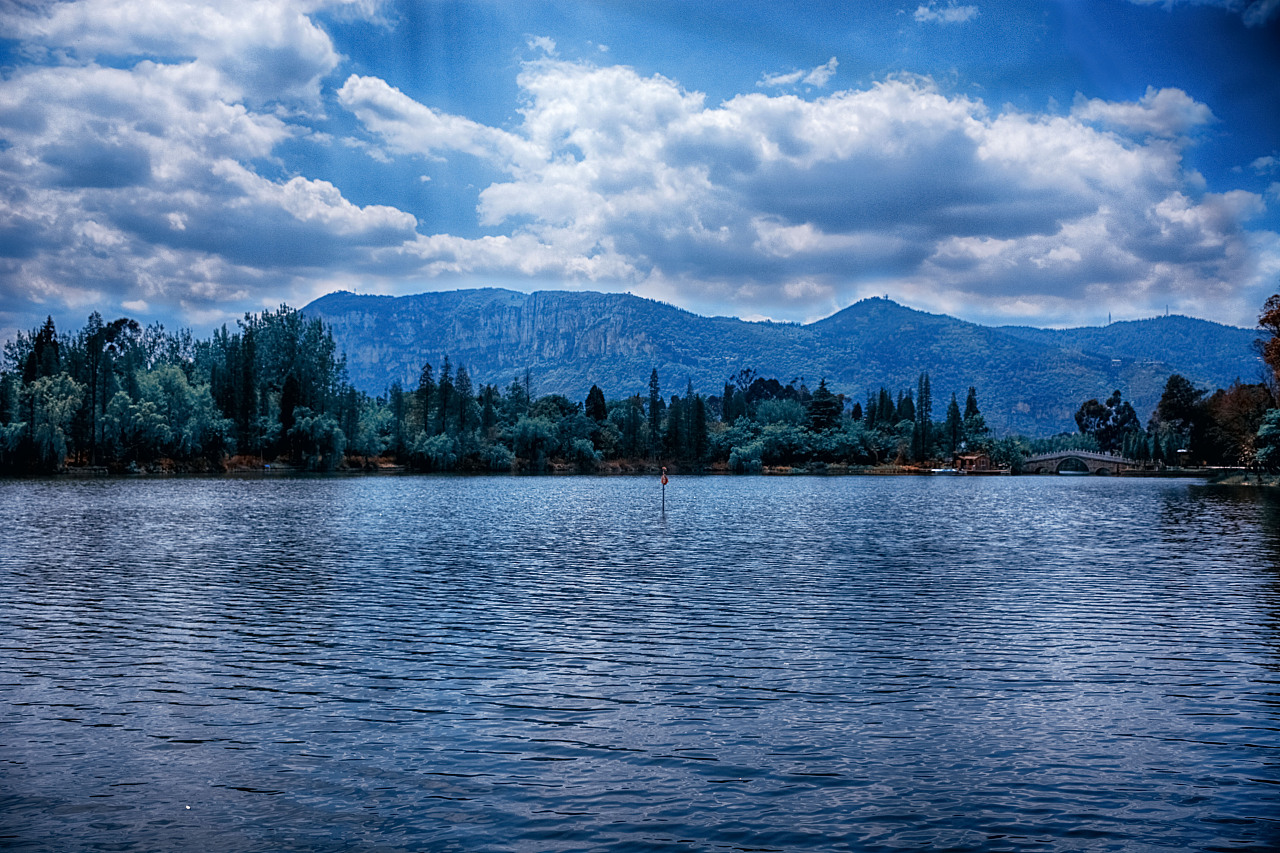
point(664, 490)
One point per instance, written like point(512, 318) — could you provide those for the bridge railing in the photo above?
point(1082, 454)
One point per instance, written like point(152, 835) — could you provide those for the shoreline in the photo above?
point(618, 468)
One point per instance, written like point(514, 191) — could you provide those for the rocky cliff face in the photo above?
point(1028, 380)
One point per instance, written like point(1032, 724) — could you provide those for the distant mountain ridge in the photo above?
point(1029, 380)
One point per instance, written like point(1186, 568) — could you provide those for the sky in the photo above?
point(1033, 163)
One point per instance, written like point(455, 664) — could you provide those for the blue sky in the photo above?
point(1005, 162)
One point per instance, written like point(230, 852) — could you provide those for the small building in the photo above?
point(973, 463)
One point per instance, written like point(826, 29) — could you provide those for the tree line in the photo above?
point(274, 390)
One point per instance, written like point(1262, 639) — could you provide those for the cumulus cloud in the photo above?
point(134, 184)
point(780, 202)
point(1160, 112)
point(160, 182)
point(409, 127)
point(264, 50)
point(948, 14)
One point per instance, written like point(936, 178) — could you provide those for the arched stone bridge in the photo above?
point(1096, 463)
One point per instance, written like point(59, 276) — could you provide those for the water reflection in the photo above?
point(555, 664)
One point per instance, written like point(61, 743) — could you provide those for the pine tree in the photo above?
point(444, 398)
point(886, 416)
point(674, 438)
point(954, 428)
point(824, 409)
point(698, 429)
point(595, 407)
point(425, 395)
point(906, 409)
point(655, 411)
point(44, 358)
point(924, 414)
point(463, 400)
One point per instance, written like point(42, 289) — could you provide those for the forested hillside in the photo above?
point(1032, 380)
point(274, 391)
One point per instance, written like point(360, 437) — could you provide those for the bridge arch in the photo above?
point(1078, 460)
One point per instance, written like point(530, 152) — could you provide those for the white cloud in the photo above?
point(137, 180)
point(821, 75)
point(817, 77)
point(1160, 112)
point(790, 78)
point(542, 43)
point(160, 181)
point(264, 50)
point(409, 127)
point(771, 200)
point(1265, 165)
point(948, 14)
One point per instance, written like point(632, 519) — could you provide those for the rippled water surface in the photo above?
point(859, 663)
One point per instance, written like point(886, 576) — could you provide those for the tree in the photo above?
point(971, 403)
point(1269, 322)
point(655, 411)
point(923, 438)
point(1178, 419)
point(953, 430)
point(906, 409)
point(468, 415)
point(975, 426)
point(1233, 418)
point(398, 410)
point(319, 438)
point(290, 398)
point(425, 394)
point(45, 358)
point(52, 402)
point(697, 428)
point(1267, 444)
point(595, 407)
point(674, 438)
point(825, 409)
point(444, 400)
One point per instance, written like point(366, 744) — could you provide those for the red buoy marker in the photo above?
point(664, 489)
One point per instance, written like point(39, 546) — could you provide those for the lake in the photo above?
point(775, 663)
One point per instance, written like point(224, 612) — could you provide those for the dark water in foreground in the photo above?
point(547, 664)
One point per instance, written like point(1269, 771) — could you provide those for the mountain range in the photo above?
point(1028, 380)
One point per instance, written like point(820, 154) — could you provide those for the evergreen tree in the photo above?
point(290, 397)
point(398, 408)
point(595, 407)
point(655, 411)
point(490, 401)
point(45, 358)
point(886, 412)
point(953, 430)
point(425, 395)
point(444, 399)
point(906, 409)
point(698, 428)
point(924, 416)
point(465, 401)
point(825, 409)
point(674, 440)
